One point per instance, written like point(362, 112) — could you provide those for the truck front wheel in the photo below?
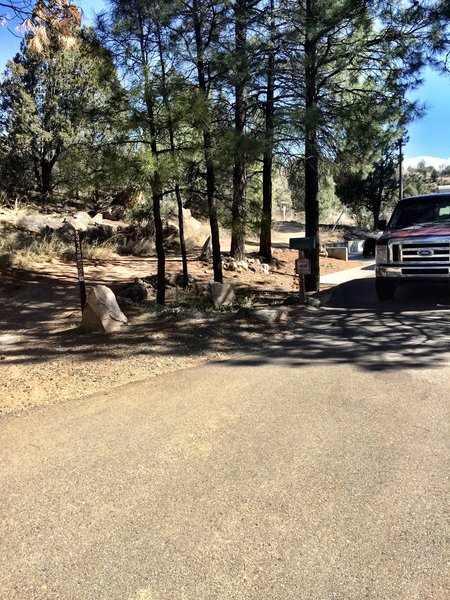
point(385, 289)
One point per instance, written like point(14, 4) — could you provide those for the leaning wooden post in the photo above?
point(80, 268)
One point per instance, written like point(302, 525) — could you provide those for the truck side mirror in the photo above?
point(382, 224)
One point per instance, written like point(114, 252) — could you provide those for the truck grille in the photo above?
point(424, 271)
point(422, 252)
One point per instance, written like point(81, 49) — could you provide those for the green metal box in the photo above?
point(305, 243)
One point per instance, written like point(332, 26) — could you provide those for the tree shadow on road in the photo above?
point(412, 331)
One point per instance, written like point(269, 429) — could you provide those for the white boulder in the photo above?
point(101, 312)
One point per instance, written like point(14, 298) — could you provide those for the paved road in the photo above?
point(315, 470)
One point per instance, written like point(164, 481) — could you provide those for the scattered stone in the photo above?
point(102, 313)
point(125, 304)
point(243, 265)
point(274, 263)
point(222, 294)
point(313, 302)
point(207, 251)
point(291, 300)
point(269, 315)
point(114, 213)
point(257, 261)
point(197, 314)
point(99, 233)
point(136, 291)
point(265, 269)
point(176, 279)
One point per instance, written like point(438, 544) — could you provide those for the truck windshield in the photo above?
point(421, 212)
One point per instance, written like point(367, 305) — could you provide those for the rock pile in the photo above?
point(255, 265)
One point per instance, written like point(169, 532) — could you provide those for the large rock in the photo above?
point(191, 226)
point(115, 212)
point(97, 219)
point(102, 313)
point(38, 223)
point(222, 294)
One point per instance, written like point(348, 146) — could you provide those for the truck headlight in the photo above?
point(381, 254)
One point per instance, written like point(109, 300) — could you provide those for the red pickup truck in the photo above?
point(415, 244)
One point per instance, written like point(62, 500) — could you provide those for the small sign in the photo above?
point(303, 266)
point(305, 243)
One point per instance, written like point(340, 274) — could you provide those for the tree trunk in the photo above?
point(212, 208)
point(156, 183)
point(238, 215)
point(377, 205)
point(265, 238)
point(181, 235)
point(159, 240)
point(311, 150)
point(170, 127)
point(207, 145)
point(46, 177)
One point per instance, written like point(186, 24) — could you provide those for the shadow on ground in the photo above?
point(411, 331)
point(354, 327)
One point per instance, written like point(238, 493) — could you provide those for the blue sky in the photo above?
point(429, 137)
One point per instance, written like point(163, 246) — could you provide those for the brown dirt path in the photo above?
point(45, 359)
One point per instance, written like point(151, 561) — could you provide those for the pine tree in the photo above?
point(52, 101)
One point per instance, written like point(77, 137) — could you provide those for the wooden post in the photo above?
point(301, 281)
point(80, 269)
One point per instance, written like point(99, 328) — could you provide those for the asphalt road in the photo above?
point(314, 470)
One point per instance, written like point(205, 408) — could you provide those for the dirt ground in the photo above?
point(44, 358)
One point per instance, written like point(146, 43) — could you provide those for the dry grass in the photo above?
point(10, 211)
point(22, 251)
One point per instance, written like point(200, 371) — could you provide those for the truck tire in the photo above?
point(385, 289)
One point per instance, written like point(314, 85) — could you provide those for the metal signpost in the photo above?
point(302, 264)
point(80, 269)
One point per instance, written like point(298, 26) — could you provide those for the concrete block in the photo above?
point(341, 253)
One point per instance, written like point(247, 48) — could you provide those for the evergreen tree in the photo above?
point(51, 102)
point(372, 190)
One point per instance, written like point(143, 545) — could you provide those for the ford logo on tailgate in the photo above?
point(425, 252)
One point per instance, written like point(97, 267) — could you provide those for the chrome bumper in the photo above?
point(418, 272)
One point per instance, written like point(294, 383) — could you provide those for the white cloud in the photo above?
point(430, 161)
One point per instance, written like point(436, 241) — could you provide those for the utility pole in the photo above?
point(400, 150)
